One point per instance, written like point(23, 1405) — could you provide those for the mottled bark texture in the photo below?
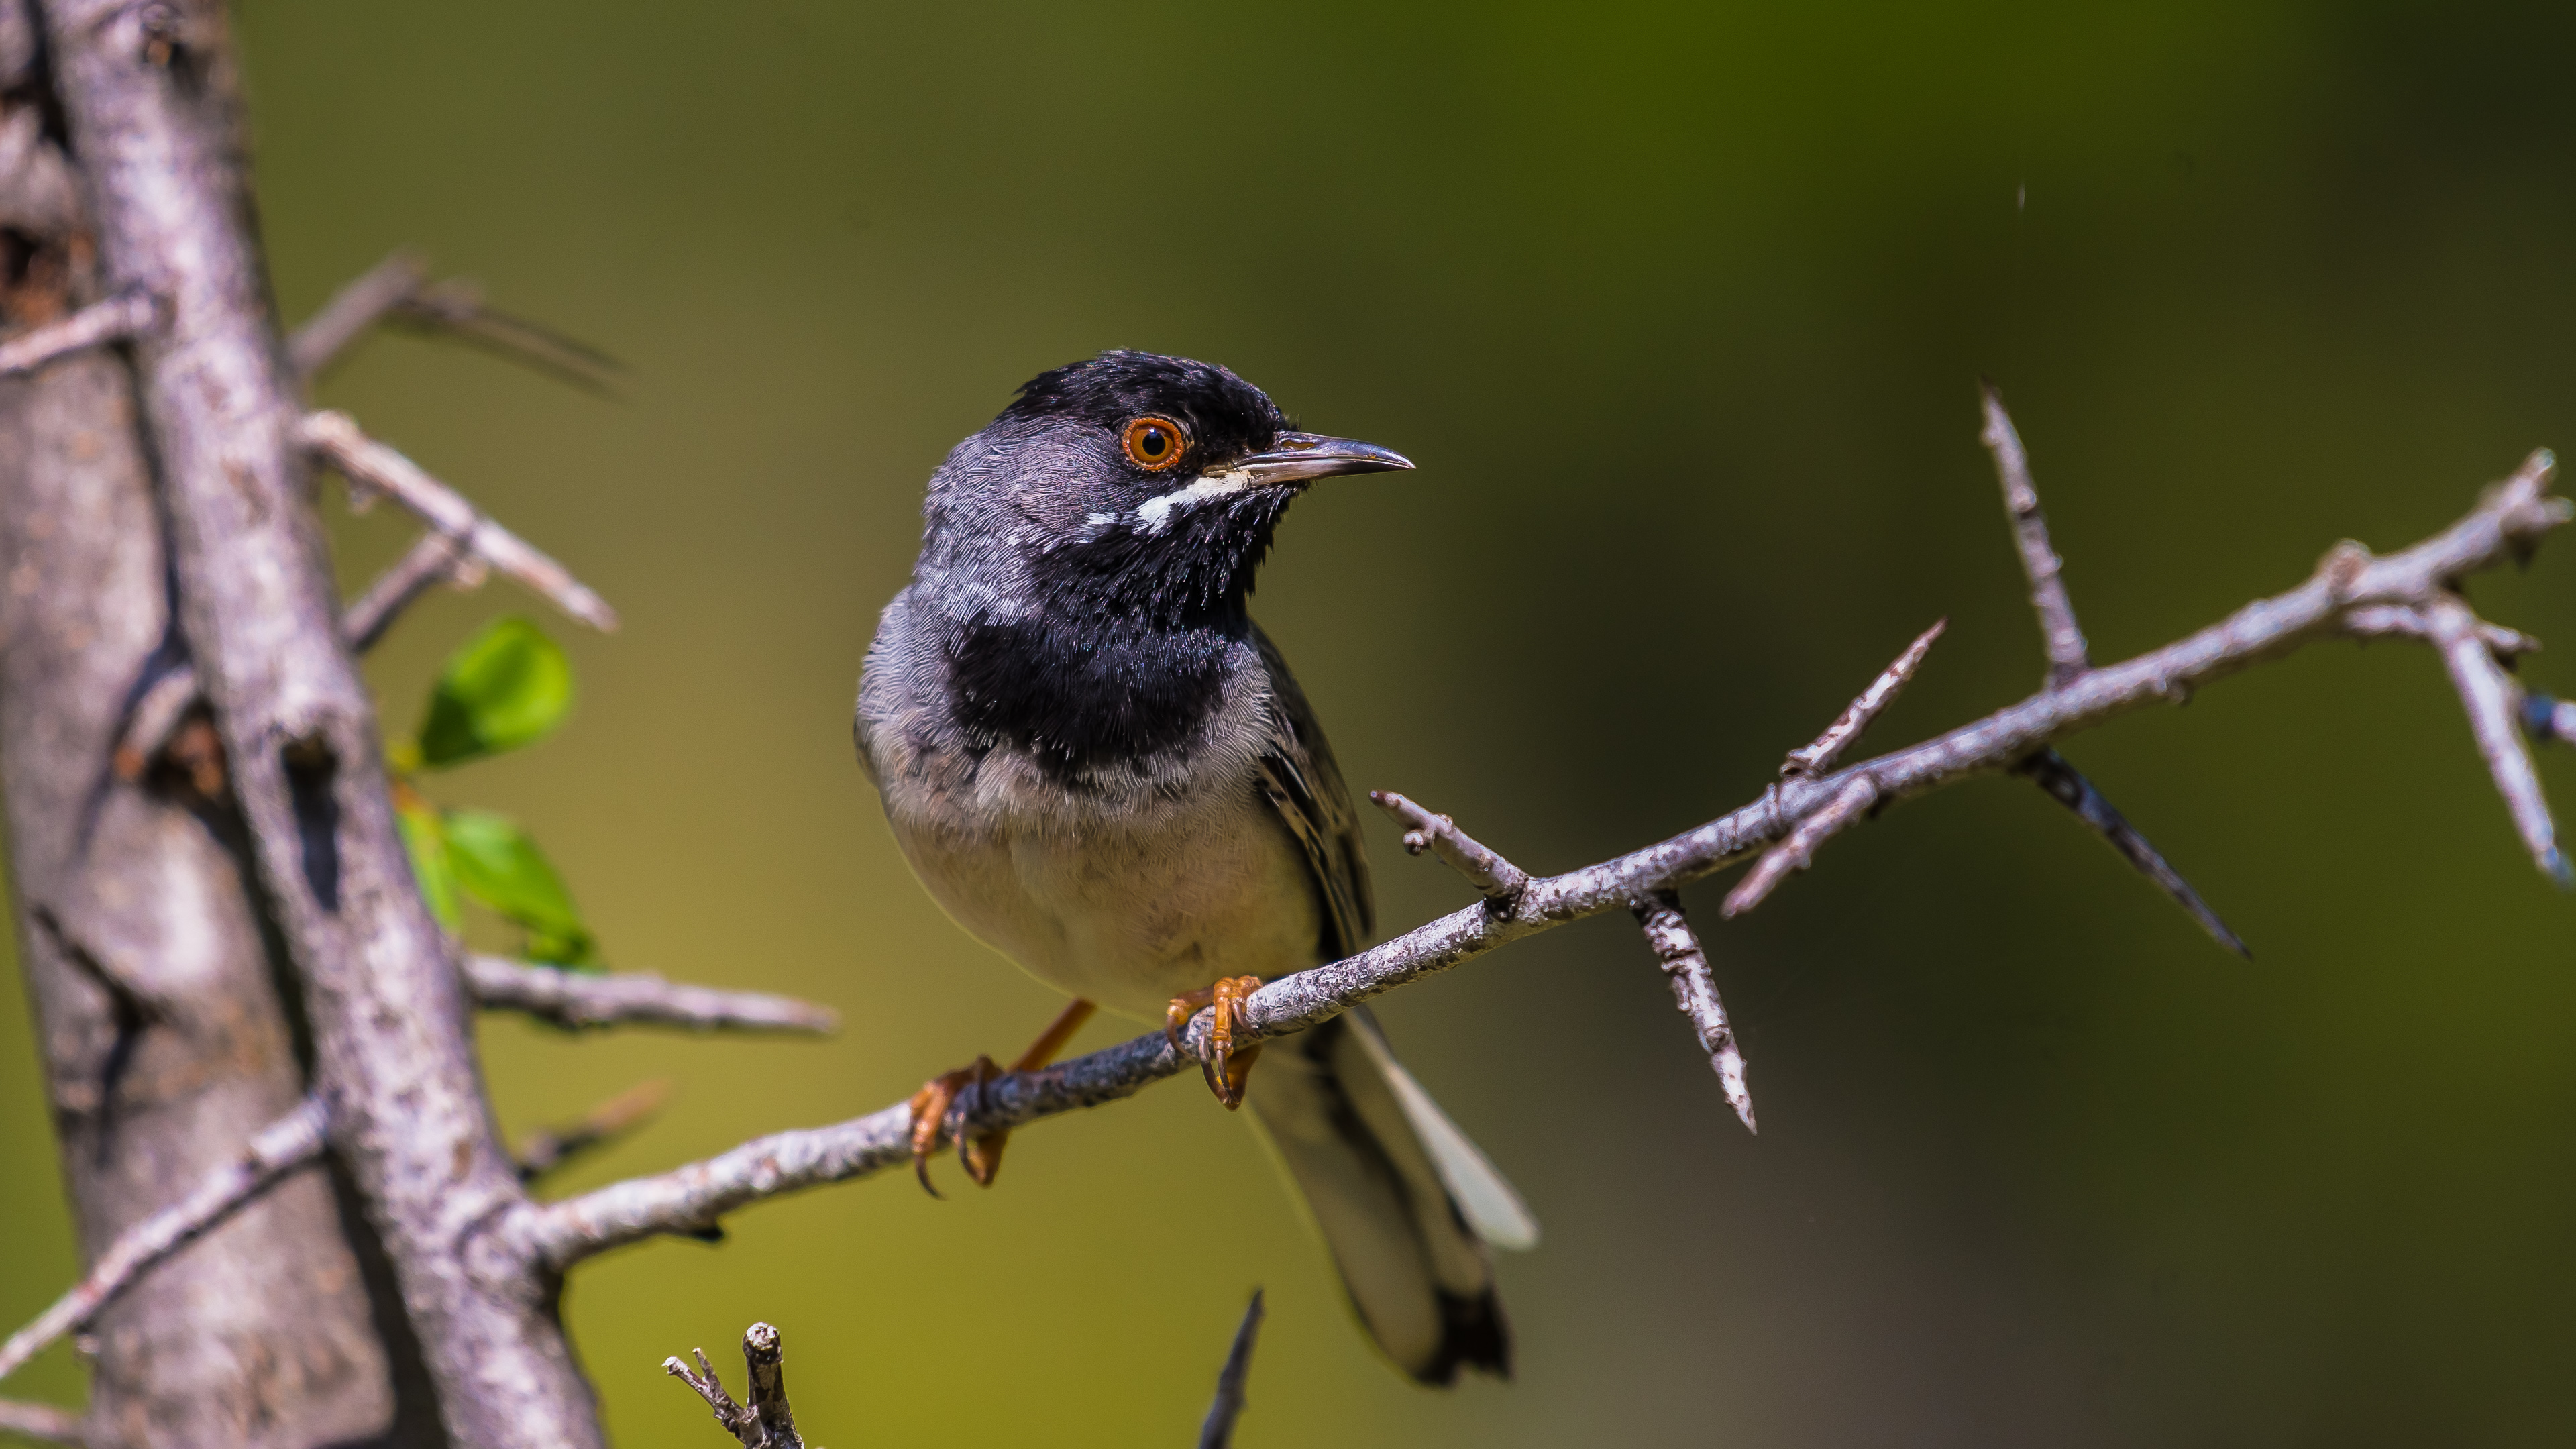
point(151, 98)
point(164, 1039)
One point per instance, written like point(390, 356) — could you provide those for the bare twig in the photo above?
point(2508, 521)
point(1218, 1431)
point(767, 1422)
point(398, 289)
point(112, 320)
point(1498, 878)
point(2404, 621)
point(370, 464)
point(1882, 692)
point(2491, 701)
point(2067, 659)
point(41, 1422)
point(1798, 851)
point(2049, 770)
point(165, 702)
point(1685, 964)
point(352, 310)
point(281, 1147)
point(548, 1148)
point(575, 1000)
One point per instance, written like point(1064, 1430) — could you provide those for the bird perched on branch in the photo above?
point(1102, 768)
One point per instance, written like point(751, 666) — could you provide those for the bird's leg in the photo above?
point(950, 1093)
point(1226, 1069)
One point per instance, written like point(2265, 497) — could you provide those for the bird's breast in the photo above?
point(1131, 914)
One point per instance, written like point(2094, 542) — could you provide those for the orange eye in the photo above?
point(1154, 444)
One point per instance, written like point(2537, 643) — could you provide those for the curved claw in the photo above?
point(1225, 1069)
point(936, 1107)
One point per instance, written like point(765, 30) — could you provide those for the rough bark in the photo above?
point(164, 1038)
point(151, 97)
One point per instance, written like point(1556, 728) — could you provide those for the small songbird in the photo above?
point(1100, 766)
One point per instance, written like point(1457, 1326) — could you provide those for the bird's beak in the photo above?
point(1296, 457)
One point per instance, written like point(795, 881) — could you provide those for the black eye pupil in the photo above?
point(1155, 442)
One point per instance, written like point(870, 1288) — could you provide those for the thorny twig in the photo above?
point(548, 1148)
point(2064, 642)
point(398, 289)
point(1218, 1430)
point(1499, 879)
point(1685, 964)
point(1828, 747)
point(369, 464)
point(2507, 522)
point(276, 1150)
point(575, 1000)
point(766, 1422)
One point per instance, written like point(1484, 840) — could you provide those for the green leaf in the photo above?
point(510, 685)
point(426, 843)
point(498, 865)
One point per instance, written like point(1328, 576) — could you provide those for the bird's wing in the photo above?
point(1305, 787)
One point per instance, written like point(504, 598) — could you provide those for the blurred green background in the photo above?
point(1681, 312)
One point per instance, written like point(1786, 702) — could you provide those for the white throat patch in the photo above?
point(1156, 513)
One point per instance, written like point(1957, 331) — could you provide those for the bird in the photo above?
point(1100, 766)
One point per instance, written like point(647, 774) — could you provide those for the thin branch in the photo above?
point(352, 310)
point(370, 464)
point(1499, 879)
point(398, 289)
point(1882, 692)
point(2507, 523)
point(1218, 1431)
point(2067, 659)
point(548, 1149)
point(765, 1423)
point(128, 314)
point(2491, 701)
point(2049, 770)
point(277, 1149)
point(575, 1000)
point(41, 1422)
point(148, 725)
point(1798, 851)
point(1685, 964)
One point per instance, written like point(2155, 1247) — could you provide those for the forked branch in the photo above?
point(2507, 523)
point(764, 1423)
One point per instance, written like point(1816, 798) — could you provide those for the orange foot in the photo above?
point(1226, 1069)
point(946, 1102)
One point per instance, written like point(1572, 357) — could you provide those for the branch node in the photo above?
point(1499, 879)
point(1685, 964)
point(1816, 758)
point(1798, 851)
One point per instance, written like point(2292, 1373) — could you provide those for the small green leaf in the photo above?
point(426, 843)
point(508, 686)
point(498, 865)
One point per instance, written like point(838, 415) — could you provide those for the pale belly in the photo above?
point(1127, 917)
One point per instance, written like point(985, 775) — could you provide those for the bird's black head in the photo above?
point(1091, 549)
point(1134, 486)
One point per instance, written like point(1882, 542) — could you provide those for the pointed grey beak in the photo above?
point(1296, 457)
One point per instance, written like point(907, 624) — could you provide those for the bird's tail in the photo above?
point(1404, 1201)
